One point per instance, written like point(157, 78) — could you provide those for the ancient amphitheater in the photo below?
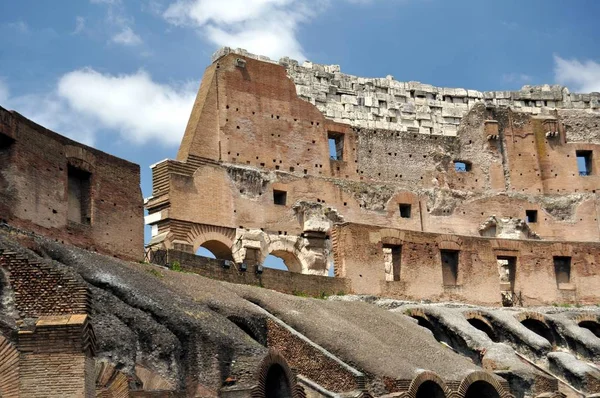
point(461, 229)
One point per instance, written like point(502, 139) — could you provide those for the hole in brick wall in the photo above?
point(462, 166)
point(584, 162)
point(449, 267)
point(336, 145)
point(430, 389)
point(392, 258)
point(539, 328)
point(484, 327)
point(277, 384)
point(592, 326)
point(481, 389)
point(215, 249)
point(405, 209)
point(562, 269)
point(79, 199)
point(279, 197)
point(531, 216)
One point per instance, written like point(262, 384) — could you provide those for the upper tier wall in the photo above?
point(385, 103)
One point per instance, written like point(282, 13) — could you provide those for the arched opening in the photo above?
point(592, 326)
point(430, 389)
point(539, 328)
point(215, 249)
point(283, 260)
point(484, 327)
point(277, 384)
point(249, 330)
point(481, 389)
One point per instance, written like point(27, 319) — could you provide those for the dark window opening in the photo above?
point(277, 384)
point(462, 167)
point(405, 210)
point(584, 162)
point(531, 216)
point(449, 267)
point(5, 142)
point(562, 269)
point(79, 196)
point(279, 197)
point(484, 327)
point(393, 259)
point(430, 389)
point(336, 146)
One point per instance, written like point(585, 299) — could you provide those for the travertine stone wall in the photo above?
point(385, 103)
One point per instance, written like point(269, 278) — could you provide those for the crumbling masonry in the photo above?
point(409, 190)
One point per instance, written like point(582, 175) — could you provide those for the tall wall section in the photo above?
point(61, 188)
point(256, 165)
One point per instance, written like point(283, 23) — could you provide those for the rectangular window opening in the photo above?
point(584, 162)
point(79, 196)
point(336, 146)
point(462, 166)
point(531, 216)
point(279, 197)
point(507, 267)
point(562, 269)
point(449, 267)
point(392, 256)
point(405, 210)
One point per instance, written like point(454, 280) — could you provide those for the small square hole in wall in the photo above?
point(279, 197)
point(405, 210)
point(531, 216)
point(462, 166)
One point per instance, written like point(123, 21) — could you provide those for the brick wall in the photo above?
point(308, 360)
point(38, 198)
point(279, 280)
point(42, 290)
point(361, 259)
point(9, 369)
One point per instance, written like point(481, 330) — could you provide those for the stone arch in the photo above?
point(536, 322)
point(479, 384)
point(590, 322)
point(219, 240)
point(428, 384)
point(295, 259)
point(479, 322)
point(449, 242)
point(250, 329)
point(275, 378)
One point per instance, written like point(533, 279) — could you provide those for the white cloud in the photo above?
point(516, 78)
point(19, 26)
point(134, 107)
point(266, 27)
point(580, 76)
point(79, 25)
point(127, 37)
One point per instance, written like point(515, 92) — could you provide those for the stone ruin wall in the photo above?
point(388, 104)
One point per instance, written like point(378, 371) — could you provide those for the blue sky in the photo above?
point(122, 75)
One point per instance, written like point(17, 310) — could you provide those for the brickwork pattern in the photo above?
point(42, 290)
point(9, 369)
point(38, 177)
point(308, 361)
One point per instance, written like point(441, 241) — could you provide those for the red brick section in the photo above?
point(308, 361)
point(282, 281)
point(360, 250)
point(9, 369)
point(41, 290)
point(37, 174)
point(57, 358)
